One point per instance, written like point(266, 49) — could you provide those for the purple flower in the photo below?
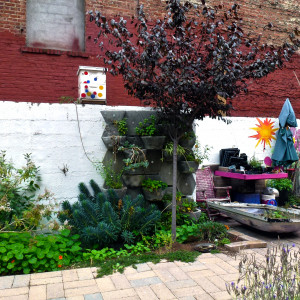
point(293, 245)
point(232, 283)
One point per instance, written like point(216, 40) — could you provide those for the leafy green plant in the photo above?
point(20, 206)
point(280, 184)
point(208, 230)
point(186, 205)
point(222, 242)
point(201, 153)
point(105, 220)
point(153, 185)
point(162, 239)
point(23, 253)
point(169, 149)
point(275, 214)
point(147, 127)
point(254, 163)
point(189, 135)
point(136, 159)
point(293, 200)
point(112, 178)
point(275, 278)
point(122, 126)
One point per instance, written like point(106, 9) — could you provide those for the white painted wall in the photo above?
point(219, 135)
point(50, 133)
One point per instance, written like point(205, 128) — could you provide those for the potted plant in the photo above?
point(193, 158)
point(149, 134)
point(112, 178)
point(255, 165)
point(167, 152)
point(115, 135)
point(135, 163)
point(188, 139)
point(153, 189)
point(189, 207)
point(284, 186)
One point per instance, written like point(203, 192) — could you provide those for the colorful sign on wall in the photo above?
point(265, 132)
point(92, 83)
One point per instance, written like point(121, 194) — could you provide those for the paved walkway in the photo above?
point(203, 279)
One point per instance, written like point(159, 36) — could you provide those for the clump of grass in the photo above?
point(109, 266)
point(275, 278)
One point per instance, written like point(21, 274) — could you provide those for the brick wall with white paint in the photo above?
point(50, 133)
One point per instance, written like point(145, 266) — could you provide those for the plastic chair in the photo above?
point(206, 191)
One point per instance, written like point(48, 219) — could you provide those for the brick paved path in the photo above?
point(203, 279)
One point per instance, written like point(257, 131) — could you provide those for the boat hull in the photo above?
point(251, 215)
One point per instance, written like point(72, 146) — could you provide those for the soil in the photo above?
point(189, 246)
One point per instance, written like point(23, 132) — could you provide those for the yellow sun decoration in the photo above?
point(265, 132)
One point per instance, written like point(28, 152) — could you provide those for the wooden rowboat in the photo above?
point(261, 216)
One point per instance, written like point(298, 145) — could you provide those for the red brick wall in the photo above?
point(46, 77)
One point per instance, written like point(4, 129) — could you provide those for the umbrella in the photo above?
point(284, 152)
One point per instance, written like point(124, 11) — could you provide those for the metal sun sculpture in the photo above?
point(265, 132)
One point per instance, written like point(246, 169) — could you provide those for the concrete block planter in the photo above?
point(155, 195)
point(133, 181)
point(153, 142)
point(112, 141)
point(119, 192)
point(187, 166)
point(187, 142)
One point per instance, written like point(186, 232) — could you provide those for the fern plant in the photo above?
point(104, 220)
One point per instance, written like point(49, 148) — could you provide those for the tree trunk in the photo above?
point(173, 227)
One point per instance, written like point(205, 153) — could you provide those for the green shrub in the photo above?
point(112, 178)
point(20, 207)
point(23, 253)
point(208, 230)
point(147, 127)
point(122, 126)
point(153, 185)
point(280, 184)
point(105, 220)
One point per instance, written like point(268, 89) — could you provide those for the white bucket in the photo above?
point(268, 199)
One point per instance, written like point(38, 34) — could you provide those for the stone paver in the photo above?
point(21, 281)
point(203, 279)
point(14, 292)
point(145, 281)
point(6, 282)
point(82, 291)
point(120, 282)
point(161, 291)
point(97, 296)
point(79, 283)
point(38, 292)
point(115, 295)
point(69, 275)
point(105, 284)
point(55, 290)
point(145, 292)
